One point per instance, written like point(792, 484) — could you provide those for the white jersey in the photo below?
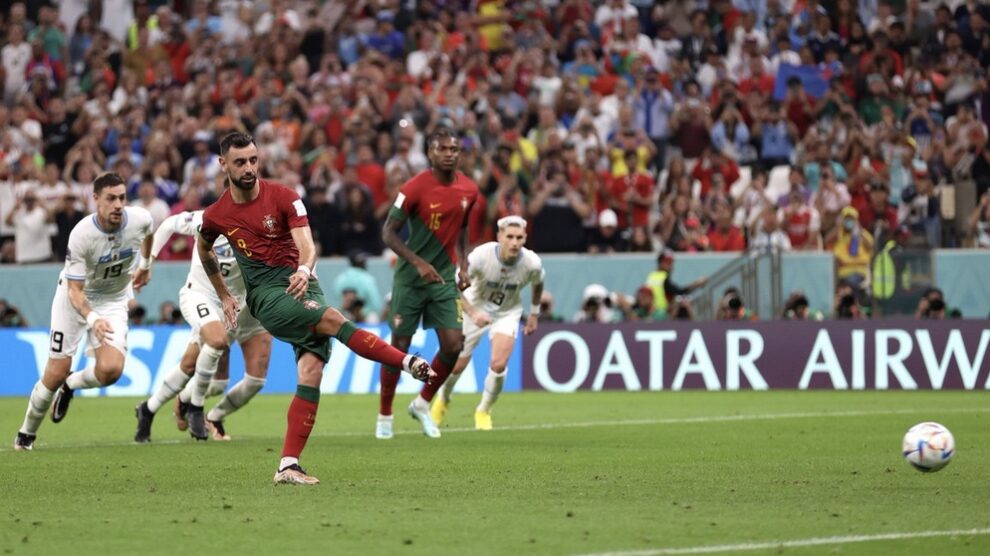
point(495, 285)
point(188, 223)
point(106, 260)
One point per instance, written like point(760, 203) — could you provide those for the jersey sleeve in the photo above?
point(208, 227)
point(75, 256)
point(405, 202)
point(536, 271)
point(185, 223)
point(293, 208)
point(476, 264)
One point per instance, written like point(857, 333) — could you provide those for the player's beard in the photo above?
point(244, 182)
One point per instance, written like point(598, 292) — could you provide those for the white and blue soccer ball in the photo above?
point(928, 446)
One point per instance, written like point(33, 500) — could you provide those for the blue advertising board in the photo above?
point(153, 350)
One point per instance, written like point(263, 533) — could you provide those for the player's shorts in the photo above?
point(439, 305)
point(68, 326)
point(199, 308)
point(290, 320)
point(507, 324)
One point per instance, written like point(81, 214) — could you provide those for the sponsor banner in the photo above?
point(839, 355)
point(153, 350)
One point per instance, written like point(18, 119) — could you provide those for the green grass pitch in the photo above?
point(589, 473)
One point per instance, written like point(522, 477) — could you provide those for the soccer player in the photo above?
point(92, 294)
point(436, 203)
point(266, 224)
point(499, 270)
point(201, 309)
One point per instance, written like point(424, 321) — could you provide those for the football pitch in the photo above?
point(591, 473)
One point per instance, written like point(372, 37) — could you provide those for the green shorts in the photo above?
point(439, 305)
point(292, 321)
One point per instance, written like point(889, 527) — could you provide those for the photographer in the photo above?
point(597, 305)
point(932, 306)
point(731, 307)
point(845, 306)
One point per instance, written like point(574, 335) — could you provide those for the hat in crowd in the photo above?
point(608, 218)
point(386, 15)
point(594, 291)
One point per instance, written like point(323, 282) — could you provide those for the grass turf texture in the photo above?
point(623, 471)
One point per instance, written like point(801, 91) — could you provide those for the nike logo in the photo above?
point(435, 205)
point(231, 232)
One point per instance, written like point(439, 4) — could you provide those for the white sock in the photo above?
point(38, 404)
point(421, 404)
point(85, 379)
point(287, 462)
point(175, 379)
point(493, 387)
point(385, 417)
point(217, 386)
point(448, 386)
point(206, 367)
point(239, 395)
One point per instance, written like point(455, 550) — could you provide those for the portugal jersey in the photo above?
point(188, 223)
point(105, 260)
point(495, 285)
point(436, 212)
point(259, 231)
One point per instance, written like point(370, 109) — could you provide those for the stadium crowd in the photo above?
point(617, 125)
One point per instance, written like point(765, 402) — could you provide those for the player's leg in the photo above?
point(472, 335)
point(187, 366)
point(257, 351)
point(220, 380)
point(369, 345)
point(213, 337)
point(388, 382)
point(451, 343)
point(502, 345)
point(56, 371)
point(175, 379)
point(302, 415)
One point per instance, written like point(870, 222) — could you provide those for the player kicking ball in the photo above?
point(435, 203)
point(499, 270)
point(267, 227)
point(92, 294)
point(200, 307)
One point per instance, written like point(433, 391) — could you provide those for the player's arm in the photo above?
point(299, 280)
point(100, 326)
point(391, 239)
point(533, 320)
point(463, 277)
point(478, 316)
point(143, 274)
point(204, 247)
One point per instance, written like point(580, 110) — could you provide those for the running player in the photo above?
point(92, 294)
point(499, 270)
point(436, 204)
point(266, 224)
point(210, 340)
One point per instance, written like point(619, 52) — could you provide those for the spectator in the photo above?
point(169, 314)
point(724, 235)
point(358, 227)
point(801, 222)
point(846, 306)
point(361, 285)
point(732, 307)
point(15, 55)
point(932, 306)
point(596, 305)
point(766, 235)
point(202, 158)
point(797, 308)
point(852, 247)
point(30, 220)
point(643, 308)
point(556, 211)
point(148, 199)
point(136, 313)
point(10, 316)
point(607, 238)
point(979, 222)
point(920, 211)
point(67, 215)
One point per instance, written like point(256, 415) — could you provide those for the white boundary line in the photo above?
point(796, 543)
point(576, 425)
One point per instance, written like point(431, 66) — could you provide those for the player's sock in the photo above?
point(240, 394)
point(85, 379)
point(175, 379)
point(186, 394)
point(493, 387)
point(38, 404)
point(448, 386)
point(443, 367)
point(206, 367)
point(216, 388)
point(301, 418)
point(369, 346)
point(389, 380)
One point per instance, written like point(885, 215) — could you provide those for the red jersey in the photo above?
point(259, 231)
point(436, 213)
point(642, 185)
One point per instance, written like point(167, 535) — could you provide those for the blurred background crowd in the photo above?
point(612, 125)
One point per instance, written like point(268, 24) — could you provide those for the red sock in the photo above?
point(443, 370)
point(389, 380)
point(372, 347)
point(301, 418)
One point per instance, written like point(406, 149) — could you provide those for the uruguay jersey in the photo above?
point(106, 260)
point(495, 285)
point(188, 223)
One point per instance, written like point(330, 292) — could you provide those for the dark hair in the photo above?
point(106, 180)
point(441, 132)
point(235, 139)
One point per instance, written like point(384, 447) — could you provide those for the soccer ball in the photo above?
point(928, 446)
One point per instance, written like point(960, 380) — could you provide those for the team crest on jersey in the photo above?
point(269, 223)
point(311, 305)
